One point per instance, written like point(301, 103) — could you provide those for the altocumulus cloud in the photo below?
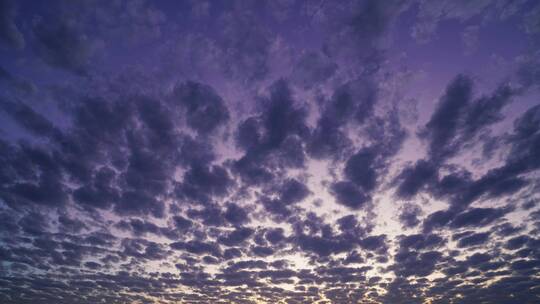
point(269, 152)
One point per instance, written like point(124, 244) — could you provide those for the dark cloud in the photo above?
point(523, 158)
point(290, 192)
point(363, 168)
point(61, 45)
point(201, 184)
point(293, 191)
point(438, 219)
point(71, 224)
point(235, 214)
point(474, 239)
point(413, 178)
point(445, 121)
point(46, 189)
point(360, 169)
point(34, 224)
point(477, 217)
point(139, 203)
point(281, 118)
point(9, 224)
point(486, 111)
point(349, 195)
point(351, 102)
point(181, 223)
point(409, 216)
point(236, 237)
point(458, 117)
point(374, 243)
point(211, 215)
point(205, 109)
point(358, 30)
point(246, 45)
point(143, 249)
point(254, 151)
point(470, 218)
point(100, 193)
point(412, 263)
point(313, 68)
point(529, 70)
point(30, 120)
point(272, 138)
point(275, 236)
point(517, 242)
point(15, 85)
point(9, 32)
point(262, 251)
point(452, 183)
point(198, 247)
point(421, 241)
point(324, 246)
point(139, 227)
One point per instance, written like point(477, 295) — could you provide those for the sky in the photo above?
point(278, 151)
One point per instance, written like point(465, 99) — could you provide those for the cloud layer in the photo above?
point(269, 152)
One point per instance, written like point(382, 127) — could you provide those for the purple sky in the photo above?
point(270, 151)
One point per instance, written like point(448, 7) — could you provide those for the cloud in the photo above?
point(444, 123)
point(421, 241)
point(198, 247)
point(477, 217)
point(201, 184)
point(275, 236)
point(236, 237)
point(349, 195)
point(139, 203)
point(351, 102)
point(235, 214)
point(9, 32)
point(430, 15)
point(415, 177)
point(271, 137)
point(313, 68)
point(474, 239)
point(458, 118)
point(205, 110)
point(409, 216)
point(246, 45)
point(60, 45)
point(251, 151)
point(290, 192)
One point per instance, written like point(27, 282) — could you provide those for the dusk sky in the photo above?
point(278, 151)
